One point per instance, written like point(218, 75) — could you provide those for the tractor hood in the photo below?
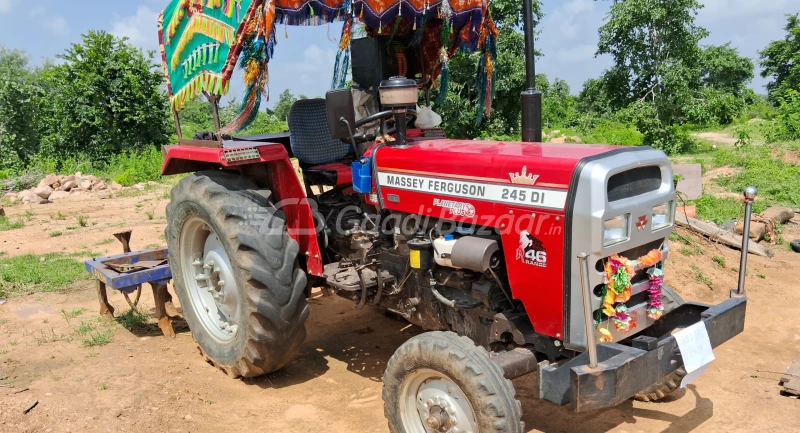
point(545, 165)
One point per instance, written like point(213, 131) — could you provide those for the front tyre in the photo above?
point(440, 382)
point(235, 272)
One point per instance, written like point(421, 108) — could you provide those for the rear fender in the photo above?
point(270, 167)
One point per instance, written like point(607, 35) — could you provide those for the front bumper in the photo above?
point(630, 366)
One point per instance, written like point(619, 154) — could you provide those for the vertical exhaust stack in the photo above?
point(531, 98)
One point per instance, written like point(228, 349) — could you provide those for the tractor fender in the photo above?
point(269, 165)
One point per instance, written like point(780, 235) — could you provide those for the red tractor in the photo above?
point(518, 257)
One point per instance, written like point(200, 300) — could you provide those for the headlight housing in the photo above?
point(616, 230)
point(663, 216)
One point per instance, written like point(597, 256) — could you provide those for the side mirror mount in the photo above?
point(341, 113)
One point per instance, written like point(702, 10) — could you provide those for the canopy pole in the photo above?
point(531, 98)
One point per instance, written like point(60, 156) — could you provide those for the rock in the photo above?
point(78, 174)
point(575, 139)
point(31, 197)
point(2, 212)
point(139, 186)
point(43, 191)
point(58, 195)
point(115, 186)
point(778, 214)
point(691, 183)
point(68, 185)
point(85, 184)
point(559, 140)
point(99, 186)
point(555, 132)
point(187, 417)
point(10, 196)
point(49, 180)
point(67, 178)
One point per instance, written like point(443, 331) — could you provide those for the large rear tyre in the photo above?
point(440, 382)
point(235, 272)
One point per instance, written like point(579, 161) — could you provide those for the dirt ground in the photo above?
point(143, 382)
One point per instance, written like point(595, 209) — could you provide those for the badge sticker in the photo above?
point(531, 251)
point(457, 208)
point(523, 178)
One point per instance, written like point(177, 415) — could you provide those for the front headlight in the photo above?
point(616, 230)
point(662, 216)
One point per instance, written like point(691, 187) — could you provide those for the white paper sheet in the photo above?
point(695, 349)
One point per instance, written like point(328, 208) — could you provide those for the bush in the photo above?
point(671, 139)
point(789, 115)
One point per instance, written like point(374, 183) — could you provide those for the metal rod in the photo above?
point(749, 197)
point(531, 98)
point(591, 343)
point(530, 52)
point(177, 124)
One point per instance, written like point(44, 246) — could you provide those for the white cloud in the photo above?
point(141, 29)
point(568, 40)
point(5, 6)
point(55, 24)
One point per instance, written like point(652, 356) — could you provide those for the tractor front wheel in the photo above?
point(235, 272)
point(440, 382)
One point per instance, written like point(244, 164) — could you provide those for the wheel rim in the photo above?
point(209, 279)
point(432, 403)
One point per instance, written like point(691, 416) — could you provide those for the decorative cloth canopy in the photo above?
point(202, 40)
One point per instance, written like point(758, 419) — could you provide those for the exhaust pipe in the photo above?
point(531, 98)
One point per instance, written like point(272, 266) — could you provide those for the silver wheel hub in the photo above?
point(209, 279)
point(432, 403)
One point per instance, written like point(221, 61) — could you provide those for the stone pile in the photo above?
point(56, 187)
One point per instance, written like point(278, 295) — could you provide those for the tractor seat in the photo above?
point(322, 157)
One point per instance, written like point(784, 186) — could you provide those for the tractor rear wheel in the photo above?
point(235, 272)
point(663, 388)
point(440, 382)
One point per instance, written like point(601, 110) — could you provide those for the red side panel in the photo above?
point(288, 191)
point(534, 253)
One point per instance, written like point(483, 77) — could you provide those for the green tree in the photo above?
point(655, 47)
point(458, 112)
point(780, 60)
point(106, 97)
point(285, 102)
point(19, 113)
point(722, 68)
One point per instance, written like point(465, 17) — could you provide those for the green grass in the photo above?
point(27, 273)
point(99, 338)
point(777, 181)
point(150, 214)
point(6, 224)
point(72, 314)
point(721, 210)
point(720, 260)
point(59, 216)
point(104, 242)
point(700, 276)
point(133, 320)
point(55, 234)
point(83, 220)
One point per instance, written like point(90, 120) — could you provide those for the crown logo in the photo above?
point(524, 178)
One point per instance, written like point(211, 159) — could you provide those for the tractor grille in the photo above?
point(634, 182)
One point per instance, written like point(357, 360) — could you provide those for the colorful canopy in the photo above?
point(202, 40)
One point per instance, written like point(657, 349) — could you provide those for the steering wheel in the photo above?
point(383, 116)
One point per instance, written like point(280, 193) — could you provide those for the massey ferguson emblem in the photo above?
point(531, 250)
point(523, 178)
point(641, 223)
point(456, 207)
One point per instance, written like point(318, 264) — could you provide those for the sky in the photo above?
point(304, 62)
